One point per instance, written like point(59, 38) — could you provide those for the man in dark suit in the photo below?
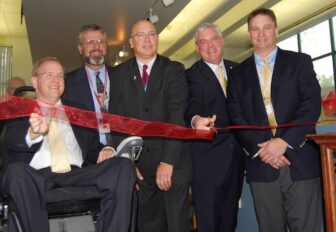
point(153, 88)
point(275, 87)
point(90, 84)
point(45, 152)
point(218, 165)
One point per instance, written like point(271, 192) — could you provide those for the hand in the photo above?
point(38, 126)
point(164, 174)
point(271, 151)
point(105, 153)
point(204, 123)
point(282, 162)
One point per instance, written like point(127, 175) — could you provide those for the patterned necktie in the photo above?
point(144, 76)
point(104, 109)
point(100, 91)
point(99, 83)
point(221, 78)
point(266, 76)
point(59, 157)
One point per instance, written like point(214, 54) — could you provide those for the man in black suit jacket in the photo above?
point(164, 163)
point(218, 165)
point(81, 84)
point(283, 167)
point(31, 170)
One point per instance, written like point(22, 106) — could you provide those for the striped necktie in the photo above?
point(266, 76)
point(59, 157)
point(221, 78)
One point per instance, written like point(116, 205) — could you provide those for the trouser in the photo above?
point(282, 203)
point(27, 187)
point(216, 207)
point(163, 211)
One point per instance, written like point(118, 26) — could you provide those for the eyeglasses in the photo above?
point(142, 36)
point(204, 42)
point(94, 42)
point(50, 75)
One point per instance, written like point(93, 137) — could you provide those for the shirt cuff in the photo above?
point(192, 121)
point(31, 142)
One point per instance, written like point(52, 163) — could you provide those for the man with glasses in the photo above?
point(218, 165)
point(152, 87)
point(46, 151)
point(90, 84)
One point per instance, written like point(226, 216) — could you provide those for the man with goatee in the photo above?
point(90, 84)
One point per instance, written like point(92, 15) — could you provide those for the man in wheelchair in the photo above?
point(45, 152)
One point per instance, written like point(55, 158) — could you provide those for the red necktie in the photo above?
point(144, 75)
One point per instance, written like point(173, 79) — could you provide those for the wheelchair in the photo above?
point(66, 205)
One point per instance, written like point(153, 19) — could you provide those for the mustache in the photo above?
point(96, 50)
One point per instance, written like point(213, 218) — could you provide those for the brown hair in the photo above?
point(262, 11)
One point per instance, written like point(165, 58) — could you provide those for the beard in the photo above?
point(97, 60)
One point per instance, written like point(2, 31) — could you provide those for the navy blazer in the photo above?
point(18, 151)
point(296, 98)
point(211, 159)
point(164, 101)
point(77, 88)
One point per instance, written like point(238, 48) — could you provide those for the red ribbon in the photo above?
point(14, 107)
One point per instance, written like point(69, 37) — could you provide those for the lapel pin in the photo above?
point(134, 78)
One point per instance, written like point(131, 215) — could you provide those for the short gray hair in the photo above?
point(205, 26)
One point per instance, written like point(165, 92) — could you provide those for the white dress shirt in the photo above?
point(42, 157)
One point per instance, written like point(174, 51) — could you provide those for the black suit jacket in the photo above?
point(164, 101)
point(77, 88)
point(18, 151)
point(211, 159)
point(295, 94)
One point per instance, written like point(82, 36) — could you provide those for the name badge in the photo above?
point(269, 109)
point(104, 128)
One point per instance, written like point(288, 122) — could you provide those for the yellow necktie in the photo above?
point(221, 78)
point(59, 158)
point(266, 76)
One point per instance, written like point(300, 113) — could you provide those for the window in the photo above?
point(315, 41)
point(290, 43)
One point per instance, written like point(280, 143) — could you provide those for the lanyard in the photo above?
point(101, 104)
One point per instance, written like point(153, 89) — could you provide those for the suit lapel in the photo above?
point(156, 76)
point(133, 77)
point(211, 76)
point(83, 88)
point(278, 73)
point(253, 81)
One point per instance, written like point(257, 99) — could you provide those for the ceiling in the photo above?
point(52, 26)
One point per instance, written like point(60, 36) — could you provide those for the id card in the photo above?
point(104, 128)
point(269, 109)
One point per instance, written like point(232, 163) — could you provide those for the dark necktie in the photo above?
point(99, 83)
point(144, 76)
point(101, 95)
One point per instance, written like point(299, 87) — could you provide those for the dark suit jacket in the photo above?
point(77, 88)
point(211, 159)
point(295, 94)
point(163, 101)
point(18, 151)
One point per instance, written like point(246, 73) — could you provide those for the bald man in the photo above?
point(153, 88)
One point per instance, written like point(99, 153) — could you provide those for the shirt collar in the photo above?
point(271, 58)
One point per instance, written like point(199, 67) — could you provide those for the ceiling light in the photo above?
point(123, 52)
point(167, 3)
point(152, 18)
